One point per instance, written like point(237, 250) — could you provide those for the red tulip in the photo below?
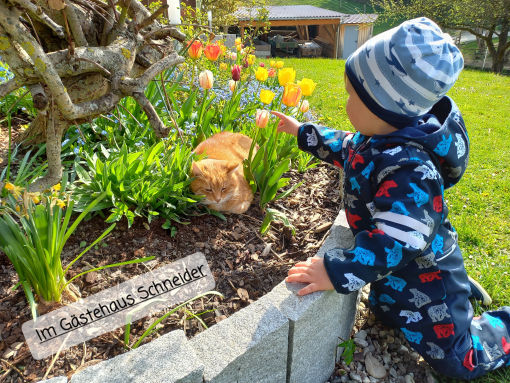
point(236, 72)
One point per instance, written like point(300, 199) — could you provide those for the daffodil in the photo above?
point(13, 189)
point(57, 187)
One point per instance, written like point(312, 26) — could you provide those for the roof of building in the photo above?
point(303, 12)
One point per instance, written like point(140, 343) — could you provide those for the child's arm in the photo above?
point(287, 124)
point(328, 145)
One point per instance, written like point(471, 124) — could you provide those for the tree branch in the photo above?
point(130, 85)
point(39, 14)
point(149, 20)
point(8, 87)
point(160, 34)
point(152, 115)
point(75, 25)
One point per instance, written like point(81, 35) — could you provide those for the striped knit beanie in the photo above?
point(401, 73)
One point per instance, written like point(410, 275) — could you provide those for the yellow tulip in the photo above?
point(291, 94)
point(307, 86)
point(266, 96)
point(261, 74)
point(279, 64)
point(272, 64)
point(223, 66)
point(251, 59)
point(286, 75)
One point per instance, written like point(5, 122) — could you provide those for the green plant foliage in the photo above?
point(150, 182)
point(33, 232)
point(153, 327)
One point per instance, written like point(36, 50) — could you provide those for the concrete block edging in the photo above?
point(279, 338)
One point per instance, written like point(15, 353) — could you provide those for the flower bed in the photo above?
point(115, 165)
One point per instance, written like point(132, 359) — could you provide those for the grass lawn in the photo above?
point(480, 203)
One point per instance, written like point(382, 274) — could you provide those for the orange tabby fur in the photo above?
point(220, 176)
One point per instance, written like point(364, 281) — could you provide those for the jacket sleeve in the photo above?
point(406, 213)
point(328, 145)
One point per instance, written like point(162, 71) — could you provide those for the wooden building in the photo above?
point(338, 33)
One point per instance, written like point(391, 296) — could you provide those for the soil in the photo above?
point(245, 266)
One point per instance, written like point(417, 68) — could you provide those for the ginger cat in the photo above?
point(220, 176)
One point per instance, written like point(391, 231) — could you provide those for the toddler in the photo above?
point(410, 145)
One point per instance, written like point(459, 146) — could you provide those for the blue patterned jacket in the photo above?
point(394, 201)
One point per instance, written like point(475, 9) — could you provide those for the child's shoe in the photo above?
point(478, 292)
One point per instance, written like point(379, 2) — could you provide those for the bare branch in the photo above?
point(149, 20)
point(160, 34)
point(74, 24)
point(8, 87)
point(39, 14)
point(129, 85)
point(152, 115)
point(137, 11)
point(103, 69)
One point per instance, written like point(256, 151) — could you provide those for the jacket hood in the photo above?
point(443, 135)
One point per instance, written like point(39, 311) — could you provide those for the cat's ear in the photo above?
point(232, 167)
point(195, 170)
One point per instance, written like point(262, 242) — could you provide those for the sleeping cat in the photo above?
point(220, 176)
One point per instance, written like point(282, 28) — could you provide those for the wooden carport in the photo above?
point(299, 16)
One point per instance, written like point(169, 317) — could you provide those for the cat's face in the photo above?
point(214, 180)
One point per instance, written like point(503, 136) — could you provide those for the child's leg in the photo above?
point(487, 342)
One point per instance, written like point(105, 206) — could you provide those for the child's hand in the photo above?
point(312, 272)
point(287, 124)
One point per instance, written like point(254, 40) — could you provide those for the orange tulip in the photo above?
point(195, 49)
point(291, 94)
point(261, 118)
point(271, 72)
point(212, 51)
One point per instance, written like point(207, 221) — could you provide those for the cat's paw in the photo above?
point(241, 208)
